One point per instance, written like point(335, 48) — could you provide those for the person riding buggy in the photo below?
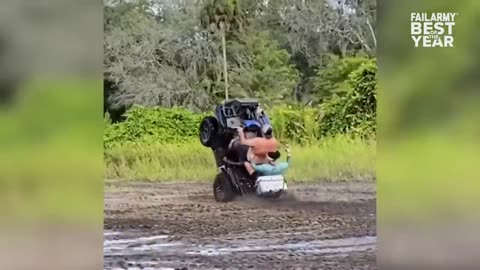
point(241, 138)
point(261, 152)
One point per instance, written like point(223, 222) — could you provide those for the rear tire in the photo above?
point(223, 189)
point(208, 131)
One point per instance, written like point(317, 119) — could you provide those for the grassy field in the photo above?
point(331, 159)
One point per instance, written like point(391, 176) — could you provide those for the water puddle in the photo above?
point(140, 250)
point(331, 247)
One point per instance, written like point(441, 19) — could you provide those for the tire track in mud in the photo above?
point(322, 226)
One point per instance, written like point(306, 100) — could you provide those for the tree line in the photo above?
point(195, 53)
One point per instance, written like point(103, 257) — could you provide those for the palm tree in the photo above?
point(221, 16)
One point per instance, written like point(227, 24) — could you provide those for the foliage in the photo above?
point(264, 70)
point(163, 53)
point(169, 54)
point(333, 76)
point(354, 112)
point(151, 65)
point(292, 124)
point(163, 125)
point(217, 12)
point(312, 29)
point(179, 125)
point(295, 123)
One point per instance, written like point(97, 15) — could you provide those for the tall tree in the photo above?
point(222, 16)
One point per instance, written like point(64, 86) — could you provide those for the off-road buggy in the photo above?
point(217, 133)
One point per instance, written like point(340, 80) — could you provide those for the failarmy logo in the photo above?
point(432, 29)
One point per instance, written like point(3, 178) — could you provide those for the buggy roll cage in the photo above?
point(238, 108)
point(235, 107)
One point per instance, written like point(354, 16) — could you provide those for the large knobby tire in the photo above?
point(223, 189)
point(208, 130)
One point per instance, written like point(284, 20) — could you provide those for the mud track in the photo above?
point(179, 226)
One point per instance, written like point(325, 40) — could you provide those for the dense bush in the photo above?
point(353, 112)
point(333, 77)
point(349, 109)
point(175, 125)
point(178, 125)
point(295, 123)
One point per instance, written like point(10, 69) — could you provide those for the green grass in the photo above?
point(331, 159)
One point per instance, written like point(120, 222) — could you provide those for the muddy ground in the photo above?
point(180, 226)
